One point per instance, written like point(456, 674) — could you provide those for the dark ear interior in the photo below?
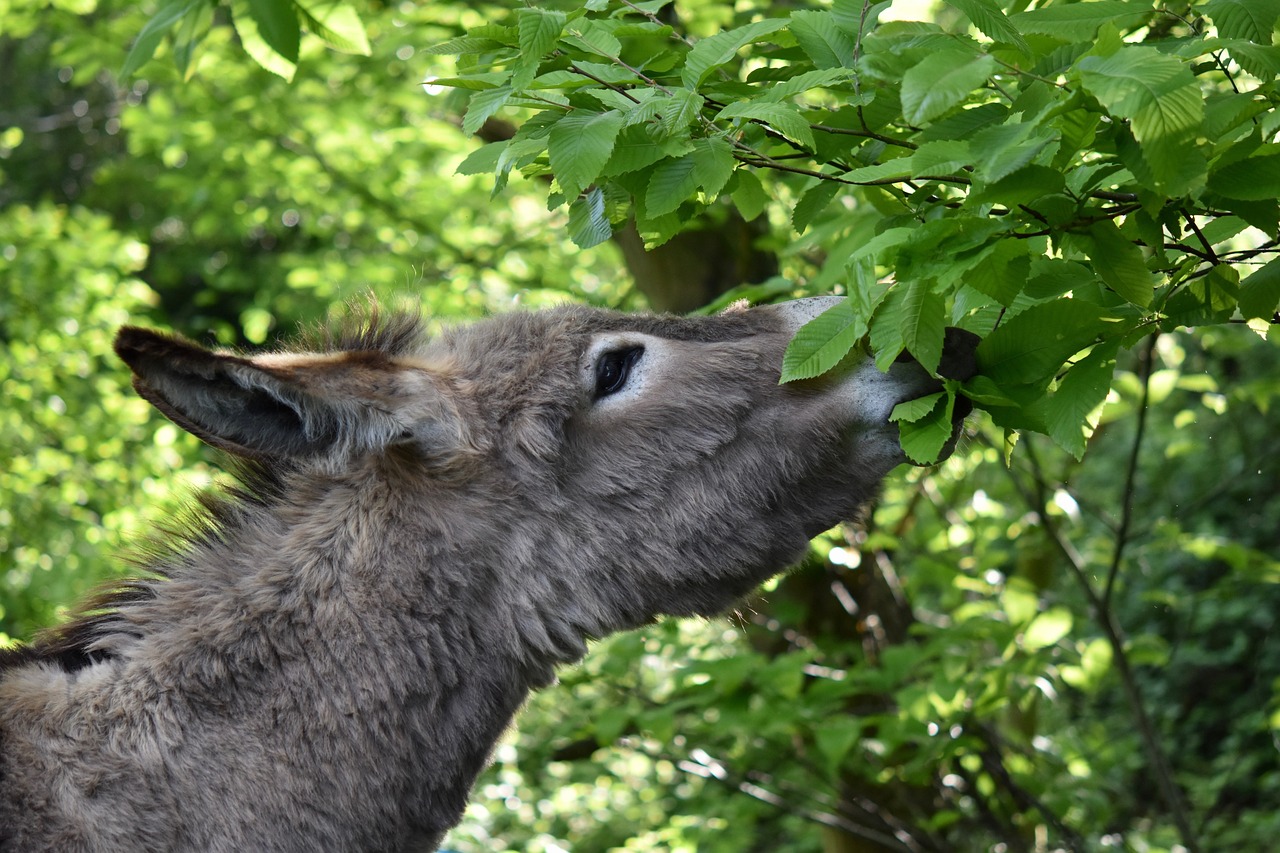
point(225, 400)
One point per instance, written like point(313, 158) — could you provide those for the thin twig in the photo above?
point(1146, 358)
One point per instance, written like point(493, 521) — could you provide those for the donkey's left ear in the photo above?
point(228, 401)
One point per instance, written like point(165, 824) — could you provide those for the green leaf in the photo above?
point(923, 439)
point(1002, 271)
point(671, 184)
point(254, 44)
point(1255, 178)
point(634, 149)
point(713, 165)
point(748, 194)
point(538, 29)
point(483, 160)
point(338, 25)
point(834, 739)
point(482, 106)
point(588, 223)
point(278, 26)
point(819, 36)
point(1047, 629)
point(913, 410)
point(1260, 292)
point(783, 118)
point(1160, 97)
point(679, 112)
point(991, 20)
point(923, 321)
point(1244, 19)
point(1004, 149)
point(801, 83)
point(580, 146)
point(1080, 22)
point(812, 202)
point(464, 45)
point(1118, 261)
point(149, 37)
point(1032, 346)
point(714, 51)
point(1081, 391)
point(822, 342)
point(941, 82)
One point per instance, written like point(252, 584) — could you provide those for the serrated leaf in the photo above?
point(713, 165)
point(939, 159)
point(991, 20)
point(482, 106)
point(887, 239)
point(1002, 271)
point(463, 45)
point(1244, 19)
point(1260, 292)
point(278, 25)
point(913, 410)
point(812, 202)
point(783, 118)
point(538, 31)
point(822, 342)
point(1004, 149)
point(924, 322)
point(579, 147)
point(1160, 97)
point(483, 160)
point(922, 440)
point(801, 83)
point(1080, 22)
point(1255, 178)
point(635, 149)
point(714, 51)
point(679, 112)
point(1119, 263)
point(149, 37)
point(885, 328)
point(941, 81)
point(588, 223)
point(1081, 391)
point(592, 36)
point(671, 184)
point(892, 171)
point(1033, 345)
point(818, 36)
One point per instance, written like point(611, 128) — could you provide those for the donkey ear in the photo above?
point(225, 400)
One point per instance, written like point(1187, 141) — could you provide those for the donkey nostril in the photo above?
point(959, 354)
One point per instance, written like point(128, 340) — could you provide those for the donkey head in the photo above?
point(596, 469)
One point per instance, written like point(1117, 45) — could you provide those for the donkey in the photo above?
point(422, 532)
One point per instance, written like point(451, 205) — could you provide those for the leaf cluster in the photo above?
point(1062, 180)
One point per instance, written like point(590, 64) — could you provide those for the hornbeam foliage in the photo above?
point(1063, 181)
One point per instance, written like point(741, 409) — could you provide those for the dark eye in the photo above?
point(613, 368)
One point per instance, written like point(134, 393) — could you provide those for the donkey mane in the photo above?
point(253, 484)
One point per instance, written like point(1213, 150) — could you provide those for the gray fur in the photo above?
point(425, 531)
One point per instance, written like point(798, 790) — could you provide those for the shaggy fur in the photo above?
point(425, 530)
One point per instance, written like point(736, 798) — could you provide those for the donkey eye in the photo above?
point(613, 368)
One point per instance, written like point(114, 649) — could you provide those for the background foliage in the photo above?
point(1059, 639)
